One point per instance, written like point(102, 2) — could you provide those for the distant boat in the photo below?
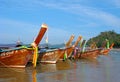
point(70, 49)
point(86, 52)
point(95, 52)
point(19, 56)
point(90, 54)
point(67, 49)
point(105, 51)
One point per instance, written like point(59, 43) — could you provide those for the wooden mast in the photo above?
point(70, 41)
point(77, 41)
point(41, 34)
point(36, 43)
point(18, 57)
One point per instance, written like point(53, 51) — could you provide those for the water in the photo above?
point(102, 69)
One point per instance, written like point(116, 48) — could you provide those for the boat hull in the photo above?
point(89, 53)
point(15, 58)
point(69, 51)
point(50, 56)
point(105, 52)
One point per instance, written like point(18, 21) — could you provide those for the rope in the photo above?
point(25, 47)
point(35, 55)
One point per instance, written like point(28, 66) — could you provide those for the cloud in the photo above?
point(77, 7)
point(115, 3)
point(90, 14)
point(104, 17)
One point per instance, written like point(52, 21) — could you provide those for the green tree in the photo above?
point(112, 36)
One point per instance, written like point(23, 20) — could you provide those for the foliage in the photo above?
point(112, 36)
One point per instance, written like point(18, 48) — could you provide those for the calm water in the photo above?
point(103, 69)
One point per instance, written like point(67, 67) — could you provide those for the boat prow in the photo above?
point(19, 56)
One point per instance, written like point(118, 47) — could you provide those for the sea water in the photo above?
point(102, 69)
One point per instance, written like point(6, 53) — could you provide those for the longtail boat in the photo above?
point(105, 51)
point(69, 49)
point(19, 56)
point(88, 52)
point(69, 43)
point(75, 49)
point(51, 56)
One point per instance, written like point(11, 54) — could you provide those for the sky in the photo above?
point(22, 19)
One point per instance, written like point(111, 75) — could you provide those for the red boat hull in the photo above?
point(105, 52)
point(90, 53)
point(15, 58)
point(50, 56)
point(69, 51)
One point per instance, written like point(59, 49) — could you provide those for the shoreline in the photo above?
point(117, 49)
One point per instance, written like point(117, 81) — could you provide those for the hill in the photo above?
point(112, 36)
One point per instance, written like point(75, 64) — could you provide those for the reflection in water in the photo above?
point(103, 69)
point(13, 75)
point(34, 76)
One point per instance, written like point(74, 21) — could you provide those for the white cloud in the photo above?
point(75, 7)
point(96, 16)
point(105, 18)
point(115, 3)
point(85, 11)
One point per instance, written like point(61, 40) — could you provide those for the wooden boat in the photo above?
point(69, 49)
point(19, 56)
point(89, 54)
point(105, 51)
point(51, 56)
point(69, 43)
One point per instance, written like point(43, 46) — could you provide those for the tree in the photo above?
point(112, 36)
